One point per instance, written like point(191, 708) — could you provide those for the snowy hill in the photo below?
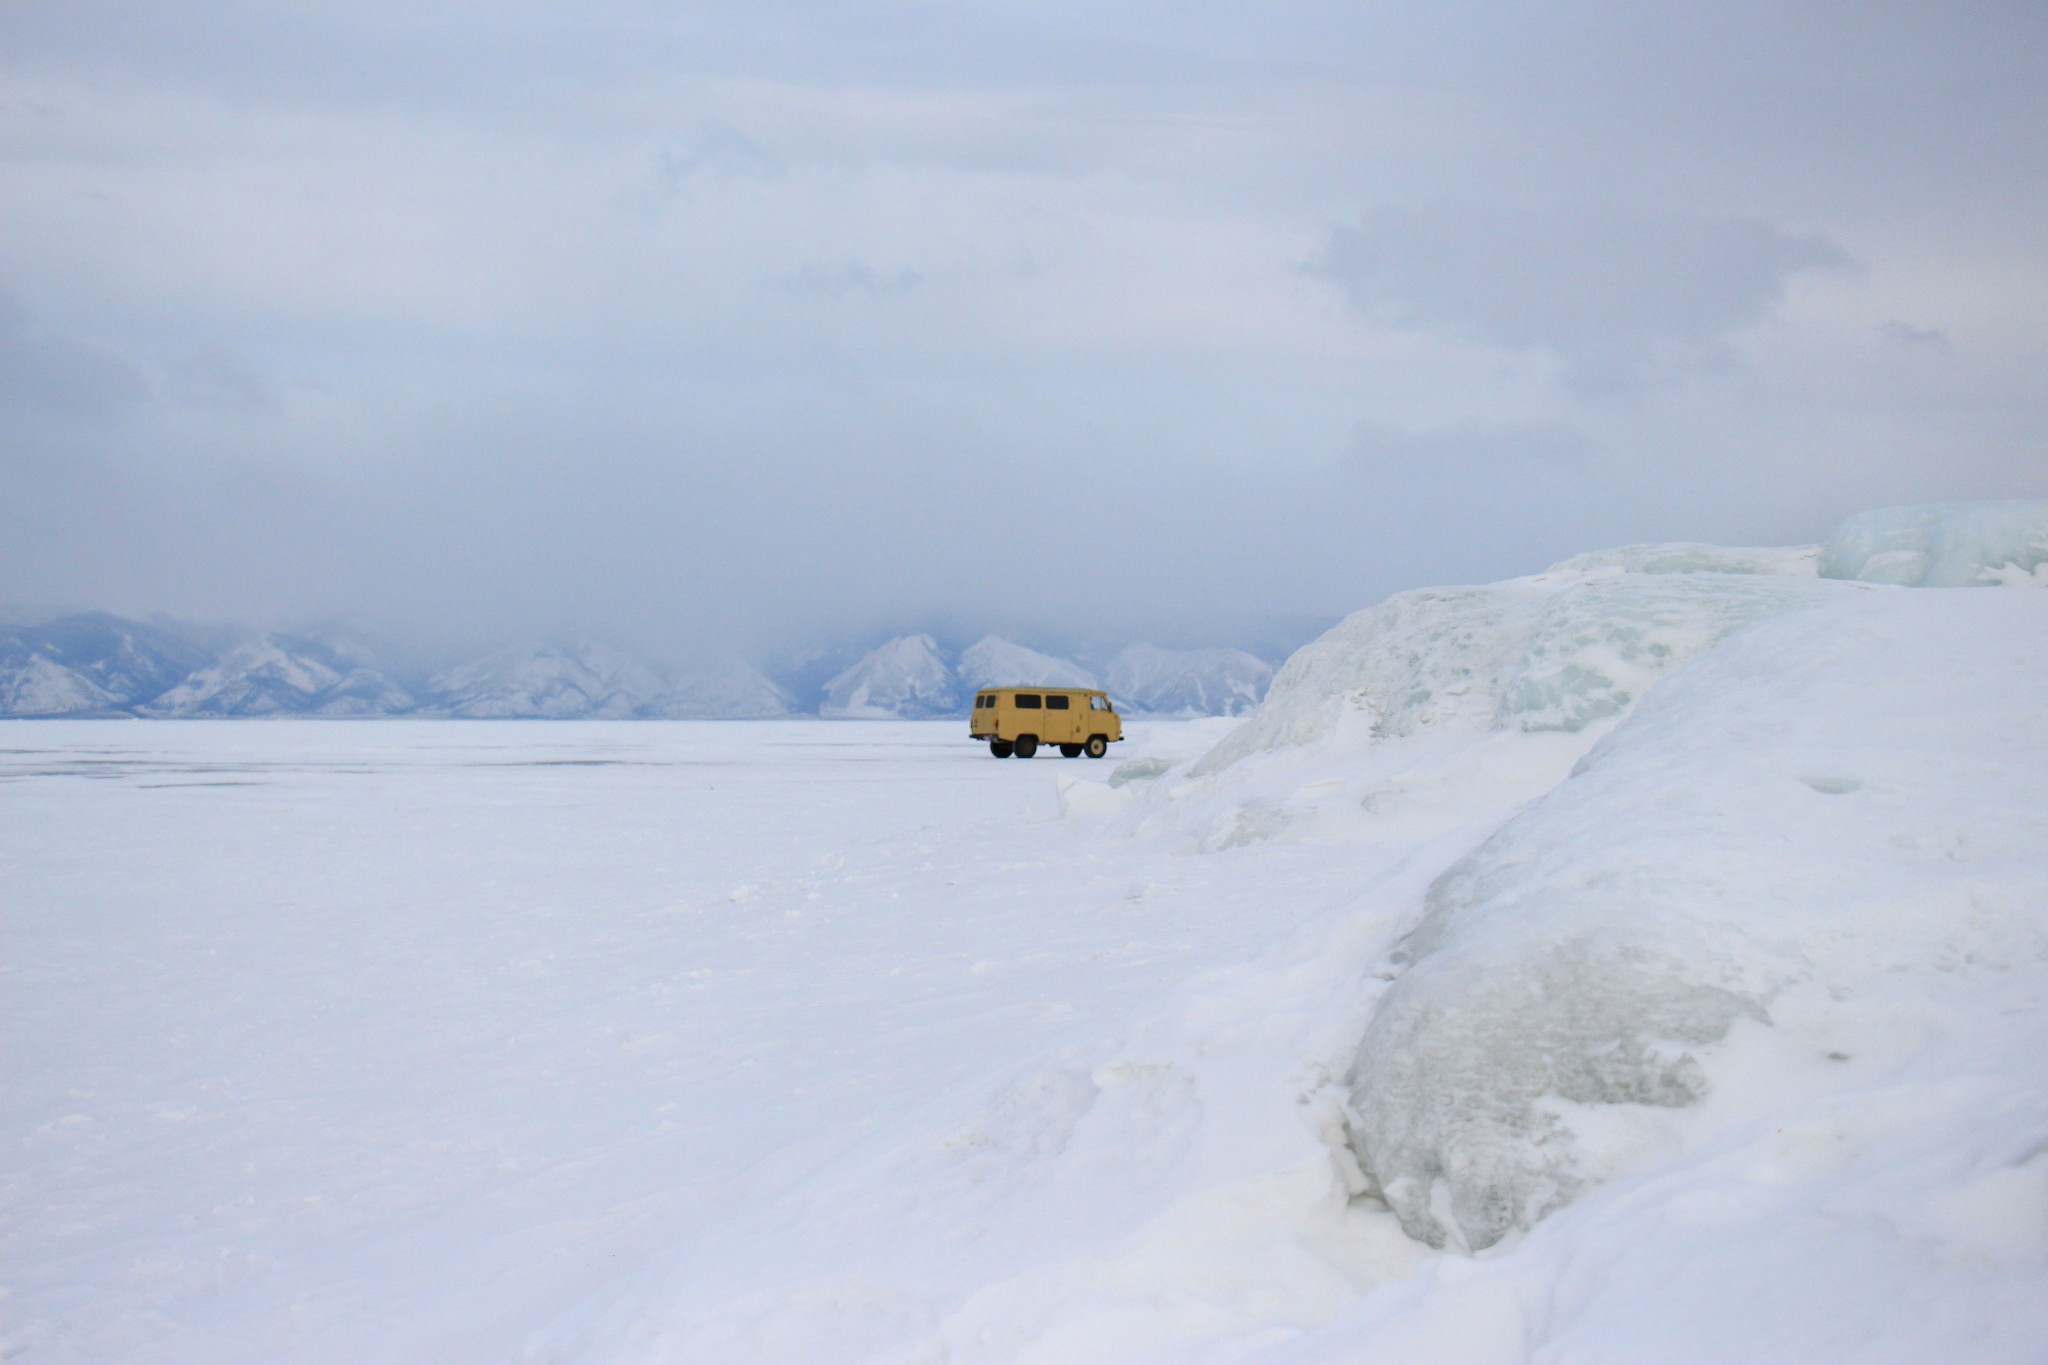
point(908, 678)
point(1188, 682)
point(996, 662)
point(282, 675)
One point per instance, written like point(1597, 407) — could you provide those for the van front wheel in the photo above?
point(1070, 751)
point(1096, 746)
point(1027, 745)
point(999, 747)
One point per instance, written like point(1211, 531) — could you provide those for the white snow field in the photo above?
point(1647, 960)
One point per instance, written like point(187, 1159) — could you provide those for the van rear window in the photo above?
point(984, 700)
point(1055, 703)
point(1029, 701)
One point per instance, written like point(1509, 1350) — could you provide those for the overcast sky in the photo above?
point(685, 323)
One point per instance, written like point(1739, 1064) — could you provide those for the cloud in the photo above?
point(1907, 334)
point(843, 279)
point(1620, 297)
point(46, 374)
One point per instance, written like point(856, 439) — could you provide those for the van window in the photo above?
point(1098, 703)
point(1055, 703)
point(1029, 701)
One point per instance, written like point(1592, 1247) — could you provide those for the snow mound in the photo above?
point(1795, 865)
point(1188, 682)
point(1560, 650)
point(906, 679)
point(1943, 545)
point(996, 662)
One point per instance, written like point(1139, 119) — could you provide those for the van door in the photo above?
point(1059, 719)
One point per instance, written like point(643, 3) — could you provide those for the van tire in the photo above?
point(1097, 746)
point(1027, 745)
point(999, 747)
point(1070, 751)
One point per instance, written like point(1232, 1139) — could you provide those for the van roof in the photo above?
point(1027, 687)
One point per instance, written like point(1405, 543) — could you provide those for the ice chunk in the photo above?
point(1452, 1076)
point(1686, 557)
point(1419, 660)
point(1557, 651)
point(1600, 645)
point(1941, 545)
point(1140, 770)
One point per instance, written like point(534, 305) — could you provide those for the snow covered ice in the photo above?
point(1645, 960)
point(1944, 545)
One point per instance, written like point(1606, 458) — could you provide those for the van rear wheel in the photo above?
point(999, 747)
point(1027, 745)
point(1070, 751)
point(1096, 746)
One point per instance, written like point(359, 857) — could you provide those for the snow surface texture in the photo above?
point(1946, 545)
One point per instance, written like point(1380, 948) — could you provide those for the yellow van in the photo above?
point(1016, 720)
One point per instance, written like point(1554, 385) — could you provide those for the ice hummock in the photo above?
point(1797, 836)
point(1943, 545)
point(1559, 650)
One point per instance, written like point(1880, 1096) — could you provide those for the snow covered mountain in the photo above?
point(908, 678)
point(725, 689)
point(996, 662)
point(593, 681)
point(94, 664)
point(283, 675)
point(553, 682)
point(1188, 682)
point(100, 665)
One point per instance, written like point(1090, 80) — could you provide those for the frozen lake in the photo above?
point(1719, 1022)
point(402, 1040)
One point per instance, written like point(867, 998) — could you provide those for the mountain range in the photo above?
point(96, 664)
